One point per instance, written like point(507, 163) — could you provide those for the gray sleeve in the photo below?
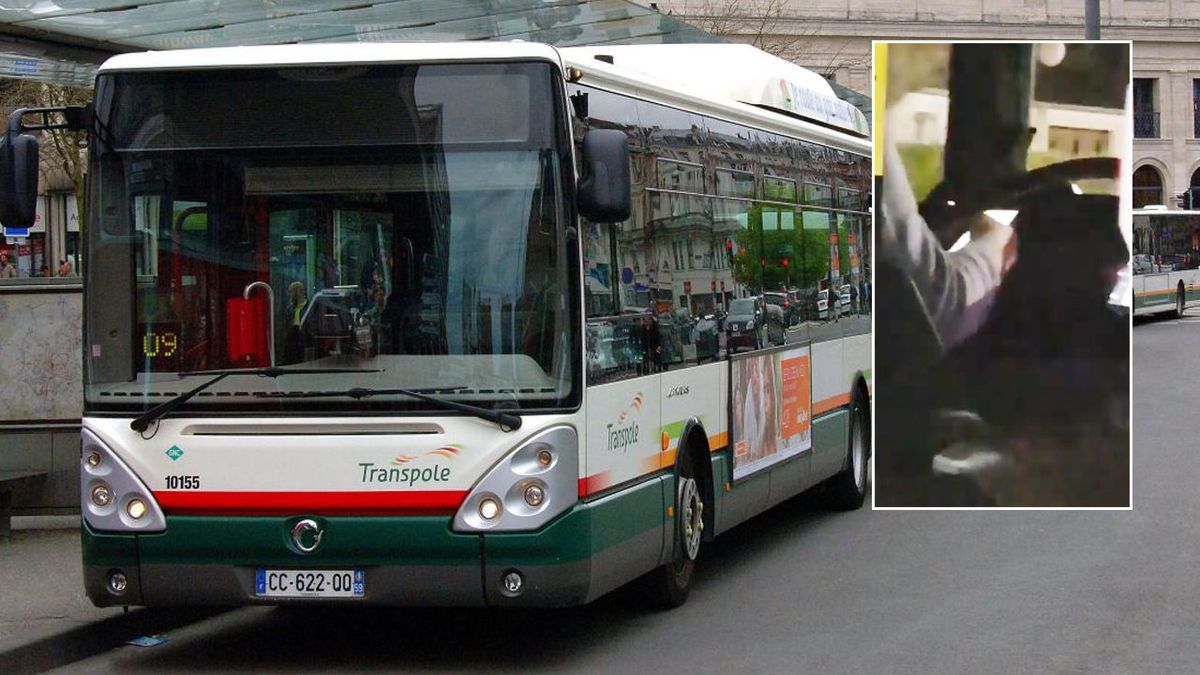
point(955, 287)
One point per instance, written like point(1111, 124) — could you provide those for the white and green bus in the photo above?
point(445, 324)
point(1166, 261)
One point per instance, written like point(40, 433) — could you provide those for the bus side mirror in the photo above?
point(18, 179)
point(604, 192)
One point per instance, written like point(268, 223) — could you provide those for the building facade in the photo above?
point(833, 37)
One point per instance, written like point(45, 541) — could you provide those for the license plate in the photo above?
point(309, 583)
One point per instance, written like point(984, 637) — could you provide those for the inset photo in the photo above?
point(1003, 233)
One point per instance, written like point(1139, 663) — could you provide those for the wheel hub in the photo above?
point(858, 456)
point(691, 517)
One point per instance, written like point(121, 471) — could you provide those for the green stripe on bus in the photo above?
point(674, 429)
point(612, 520)
point(107, 550)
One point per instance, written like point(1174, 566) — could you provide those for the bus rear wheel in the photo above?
point(1179, 303)
point(670, 584)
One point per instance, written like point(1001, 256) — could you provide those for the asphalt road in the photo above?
point(801, 590)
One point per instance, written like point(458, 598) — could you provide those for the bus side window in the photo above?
point(622, 347)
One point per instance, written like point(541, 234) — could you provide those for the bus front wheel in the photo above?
point(671, 583)
point(848, 489)
point(1179, 302)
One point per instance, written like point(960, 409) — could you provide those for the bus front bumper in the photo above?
point(407, 560)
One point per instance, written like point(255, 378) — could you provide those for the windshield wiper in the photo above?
point(506, 421)
point(142, 422)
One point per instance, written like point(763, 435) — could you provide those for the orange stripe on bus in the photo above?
point(827, 404)
point(1166, 291)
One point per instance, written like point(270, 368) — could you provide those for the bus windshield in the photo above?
point(402, 219)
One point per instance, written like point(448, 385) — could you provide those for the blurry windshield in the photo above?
point(414, 232)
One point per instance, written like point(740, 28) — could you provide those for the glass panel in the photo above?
point(437, 266)
point(735, 184)
point(391, 105)
point(779, 189)
point(599, 270)
point(818, 195)
point(682, 176)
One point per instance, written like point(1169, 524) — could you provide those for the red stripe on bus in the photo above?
point(409, 502)
point(596, 483)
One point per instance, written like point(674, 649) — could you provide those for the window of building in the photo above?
point(1145, 108)
point(1147, 187)
point(735, 184)
point(1196, 108)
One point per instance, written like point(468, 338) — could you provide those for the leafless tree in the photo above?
point(767, 25)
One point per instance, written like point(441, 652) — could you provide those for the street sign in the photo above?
point(16, 231)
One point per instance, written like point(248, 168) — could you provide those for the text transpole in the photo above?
point(407, 475)
point(621, 438)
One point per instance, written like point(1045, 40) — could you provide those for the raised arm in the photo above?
point(957, 287)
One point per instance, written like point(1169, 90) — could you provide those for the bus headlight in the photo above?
point(527, 488)
point(489, 508)
point(114, 498)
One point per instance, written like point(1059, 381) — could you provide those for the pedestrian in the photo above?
point(854, 308)
point(7, 269)
point(293, 350)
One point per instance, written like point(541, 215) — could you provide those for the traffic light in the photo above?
point(1184, 200)
point(785, 263)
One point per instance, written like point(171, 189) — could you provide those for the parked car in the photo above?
point(844, 299)
point(754, 323)
point(744, 325)
point(784, 303)
point(823, 305)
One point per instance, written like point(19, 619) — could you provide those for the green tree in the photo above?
point(760, 251)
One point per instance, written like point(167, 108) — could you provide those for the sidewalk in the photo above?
point(41, 574)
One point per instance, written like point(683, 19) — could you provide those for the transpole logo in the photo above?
point(446, 451)
point(411, 476)
point(635, 404)
point(622, 435)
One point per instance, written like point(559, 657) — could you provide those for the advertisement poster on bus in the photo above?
point(771, 409)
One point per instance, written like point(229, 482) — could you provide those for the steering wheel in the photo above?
point(948, 212)
point(919, 345)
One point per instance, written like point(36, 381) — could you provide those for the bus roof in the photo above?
point(341, 53)
point(728, 72)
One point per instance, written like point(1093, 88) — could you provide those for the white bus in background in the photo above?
point(417, 323)
point(1166, 260)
